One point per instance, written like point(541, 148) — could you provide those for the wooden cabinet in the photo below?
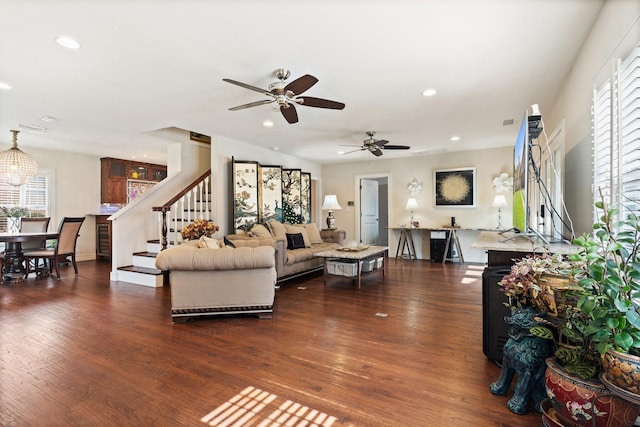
point(114, 174)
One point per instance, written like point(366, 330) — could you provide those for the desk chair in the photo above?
point(68, 232)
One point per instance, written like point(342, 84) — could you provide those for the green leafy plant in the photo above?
point(613, 281)
point(14, 211)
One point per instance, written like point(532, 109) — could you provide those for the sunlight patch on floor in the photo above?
point(244, 409)
point(472, 274)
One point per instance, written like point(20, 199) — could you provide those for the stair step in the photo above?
point(141, 270)
point(146, 254)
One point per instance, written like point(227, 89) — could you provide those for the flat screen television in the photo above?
point(521, 178)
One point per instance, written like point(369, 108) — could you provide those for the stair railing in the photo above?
point(193, 200)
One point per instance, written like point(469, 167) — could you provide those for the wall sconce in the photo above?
point(499, 202)
point(331, 204)
point(414, 187)
point(412, 205)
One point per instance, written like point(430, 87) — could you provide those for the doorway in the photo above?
point(372, 209)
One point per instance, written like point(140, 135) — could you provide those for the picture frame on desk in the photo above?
point(455, 188)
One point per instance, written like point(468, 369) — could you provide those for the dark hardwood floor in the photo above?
point(83, 351)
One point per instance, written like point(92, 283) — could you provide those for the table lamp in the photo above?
point(412, 205)
point(499, 202)
point(331, 204)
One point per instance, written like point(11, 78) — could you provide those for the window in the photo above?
point(33, 195)
point(616, 136)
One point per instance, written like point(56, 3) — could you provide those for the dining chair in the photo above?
point(68, 232)
point(34, 225)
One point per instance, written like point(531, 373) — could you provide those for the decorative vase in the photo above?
point(553, 295)
point(13, 224)
point(577, 402)
point(622, 370)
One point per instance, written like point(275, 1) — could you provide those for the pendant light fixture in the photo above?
point(16, 166)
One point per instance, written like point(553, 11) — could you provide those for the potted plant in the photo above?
point(572, 375)
point(612, 305)
point(13, 215)
point(199, 228)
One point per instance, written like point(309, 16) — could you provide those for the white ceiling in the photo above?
point(149, 65)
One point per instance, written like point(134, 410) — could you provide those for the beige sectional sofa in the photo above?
point(292, 262)
point(208, 281)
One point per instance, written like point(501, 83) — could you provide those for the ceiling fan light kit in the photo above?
point(287, 95)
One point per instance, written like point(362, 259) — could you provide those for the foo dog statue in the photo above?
point(524, 356)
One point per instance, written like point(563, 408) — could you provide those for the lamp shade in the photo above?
point(499, 201)
point(16, 166)
point(331, 203)
point(412, 204)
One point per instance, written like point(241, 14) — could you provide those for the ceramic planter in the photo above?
point(578, 402)
point(622, 370)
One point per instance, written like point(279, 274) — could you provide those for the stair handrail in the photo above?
point(168, 206)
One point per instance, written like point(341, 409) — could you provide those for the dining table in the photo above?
point(13, 262)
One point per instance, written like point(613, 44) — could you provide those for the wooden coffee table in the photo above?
point(370, 253)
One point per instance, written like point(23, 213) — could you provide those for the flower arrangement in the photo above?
point(199, 228)
point(523, 284)
point(14, 211)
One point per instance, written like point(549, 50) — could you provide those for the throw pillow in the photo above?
point(259, 230)
point(208, 242)
point(312, 232)
point(228, 243)
point(277, 230)
point(293, 229)
point(295, 241)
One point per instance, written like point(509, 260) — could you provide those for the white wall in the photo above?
point(339, 179)
point(75, 185)
point(614, 33)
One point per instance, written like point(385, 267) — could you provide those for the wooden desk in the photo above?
point(12, 268)
point(452, 241)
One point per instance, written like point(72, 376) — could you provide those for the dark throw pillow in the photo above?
point(228, 243)
point(295, 241)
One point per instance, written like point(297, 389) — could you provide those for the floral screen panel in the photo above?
point(305, 198)
point(245, 194)
point(291, 183)
point(271, 193)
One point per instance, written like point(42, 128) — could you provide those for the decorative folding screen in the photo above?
point(271, 193)
point(245, 194)
point(264, 192)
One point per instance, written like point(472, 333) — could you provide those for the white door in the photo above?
point(368, 212)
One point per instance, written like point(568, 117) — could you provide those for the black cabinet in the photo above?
point(495, 332)
point(437, 243)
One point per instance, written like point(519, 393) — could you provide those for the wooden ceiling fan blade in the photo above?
point(289, 112)
point(301, 84)
point(246, 86)
point(381, 142)
point(396, 147)
point(252, 104)
point(310, 101)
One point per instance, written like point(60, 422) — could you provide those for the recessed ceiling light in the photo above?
point(275, 148)
point(455, 138)
point(68, 42)
point(267, 123)
point(48, 119)
point(429, 92)
point(340, 152)
point(4, 85)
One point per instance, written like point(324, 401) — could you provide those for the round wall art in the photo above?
point(455, 187)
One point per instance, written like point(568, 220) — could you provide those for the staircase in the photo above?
point(191, 203)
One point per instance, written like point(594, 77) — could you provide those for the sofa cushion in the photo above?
point(188, 256)
point(259, 230)
point(208, 242)
point(312, 232)
point(295, 241)
point(277, 230)
point(292, 229)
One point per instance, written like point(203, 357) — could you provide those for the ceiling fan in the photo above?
point(375, 146)
point(287, 95)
